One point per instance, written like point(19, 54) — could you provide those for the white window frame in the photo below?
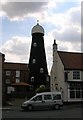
point(7, 81)
point(32, 79)
point(41, 70)
point(34, 61)
point(35, 44)
point(17, 80)
point(76, 89)
point(17, 73)
point(76, 75)
point(8, 73)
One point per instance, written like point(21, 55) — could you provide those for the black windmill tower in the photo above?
point(38, 72)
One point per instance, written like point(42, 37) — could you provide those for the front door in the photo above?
point(38, 102)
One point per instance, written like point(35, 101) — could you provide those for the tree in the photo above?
point(41, 89)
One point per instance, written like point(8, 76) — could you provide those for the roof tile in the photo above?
point(71, 60)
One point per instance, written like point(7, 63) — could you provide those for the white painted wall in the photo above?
point(57, 75)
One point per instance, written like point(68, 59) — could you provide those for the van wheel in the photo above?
point(57, 107)
point(30, 107)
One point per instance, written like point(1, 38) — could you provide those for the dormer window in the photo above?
point(34, 61)
point(41, 70)
point(35, 44)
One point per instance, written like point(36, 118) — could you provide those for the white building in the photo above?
point(67, 74)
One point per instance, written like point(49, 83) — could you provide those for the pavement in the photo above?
point(14, 104)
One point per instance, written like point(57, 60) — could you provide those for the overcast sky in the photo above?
point(60, 20)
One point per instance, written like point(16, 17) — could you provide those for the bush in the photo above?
point(41, 89)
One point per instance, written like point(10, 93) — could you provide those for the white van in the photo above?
point(43, 100)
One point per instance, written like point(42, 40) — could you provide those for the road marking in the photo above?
point(5, 108)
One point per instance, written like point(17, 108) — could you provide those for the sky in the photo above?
point(61, 20)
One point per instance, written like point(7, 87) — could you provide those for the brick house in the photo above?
point(2, 83)
point(16, 78)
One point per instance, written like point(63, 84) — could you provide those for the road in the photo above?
point(68, 111)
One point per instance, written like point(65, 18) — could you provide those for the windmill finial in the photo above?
point(54, 41)
point(37, 22)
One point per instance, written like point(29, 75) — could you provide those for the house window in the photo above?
point(8, 73)
point(34, 61)
point(76, 74)
point(17, 73)
point(72, 93)
point(17, 80)
point(76, 91)
point(7, 81)
point(41, 70)
point(47, 78)
point(10, 89)
point(32, 79)
point(35, 44)
point(66, 76)
point(82, 93)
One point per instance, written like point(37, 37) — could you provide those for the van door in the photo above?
point(48, 103)
point(57, 98)
point(38, 102)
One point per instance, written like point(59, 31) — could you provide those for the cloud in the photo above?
point(74, 15)
point(69, 34)
point(71, 27)
point(66, 30)
point(17, 49)
point(20, 10)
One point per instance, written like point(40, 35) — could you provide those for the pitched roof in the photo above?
point(14, 66)
point(20, 84)
point(71, 60)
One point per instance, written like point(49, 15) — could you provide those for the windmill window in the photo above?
point(32, 79)
point(41, 70)
point(34, 61)
point(35, 44)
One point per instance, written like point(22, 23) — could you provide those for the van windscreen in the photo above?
point(56, 97)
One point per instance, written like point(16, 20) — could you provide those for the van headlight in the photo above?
point(24, 104)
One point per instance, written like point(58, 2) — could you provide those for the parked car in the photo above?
point(43, 100)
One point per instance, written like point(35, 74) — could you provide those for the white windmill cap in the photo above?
point(37, 29)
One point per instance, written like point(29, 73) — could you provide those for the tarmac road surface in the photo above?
point(68, 111)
